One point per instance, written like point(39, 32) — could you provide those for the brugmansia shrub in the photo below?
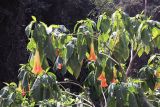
point(103, 49)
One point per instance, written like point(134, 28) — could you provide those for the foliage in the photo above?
point(105, 45)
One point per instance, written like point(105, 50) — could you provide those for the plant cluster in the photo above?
point(103, 48)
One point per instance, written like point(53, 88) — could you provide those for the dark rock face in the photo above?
point(14, 17)
point(12, 41)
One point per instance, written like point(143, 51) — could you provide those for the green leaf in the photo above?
point(103, 38)
point(70, 49)
point(103, 23)
point(132, 100)
point(28, 29)
point(74, 66)
point(155, 32)
point(121, 48)
point(25, 80)
point(81, 47)
point(31, 46)
point(50, 50)
point(40, 35)
point(37, 90)
point(117, 21)
point(140, 52)
point(34, 18)
point(157, 42)
point(111, 102)
point(151, 59)
point(147, 49)
point(119, 98)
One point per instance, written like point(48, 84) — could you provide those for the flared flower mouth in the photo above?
point(103, 80)
point(37, 69)
point(114, 80)
point(92, 55)
point(104, 83)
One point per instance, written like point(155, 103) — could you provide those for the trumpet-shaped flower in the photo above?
point(92, 55)
point(37, 69)
point(103, 80)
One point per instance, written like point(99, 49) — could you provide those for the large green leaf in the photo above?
point(81, 47)
point(117, 22)
point(155, 32)
point(121, 49)
point(132, 100)
point(73, 65)
point(28, 29)
point(103, 23)
point(50, 50)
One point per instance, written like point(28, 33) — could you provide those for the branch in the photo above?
point(131, 61)
point(105, 101)
point(91, 104)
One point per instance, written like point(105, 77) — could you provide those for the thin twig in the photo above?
point(66, 82)
point(105, 101)
point(111, 58)
point(91, 104)
point(131, 61)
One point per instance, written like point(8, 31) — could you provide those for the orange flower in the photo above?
point(104, 83)
point(114, 80)
point(92, 56)
point(59, 66)
point(101, 77)
point(37, 69)
point(103, 80)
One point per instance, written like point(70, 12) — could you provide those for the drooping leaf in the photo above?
point(155, 32)
point(132, 100)
point(74, 66)
point(103, 23)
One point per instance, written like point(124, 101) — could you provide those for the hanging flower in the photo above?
point(92, 56)
point(103, 80)
point(37, 69)
point(114, 80)
point(104, 83)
